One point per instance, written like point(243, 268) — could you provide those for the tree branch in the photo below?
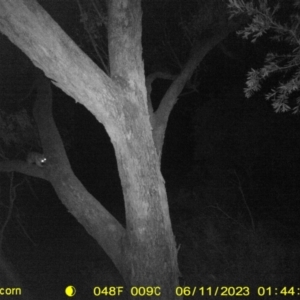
point(79, 202)
point(149, 80)
point(30, 27)
point(197, 54)
point(22, 167)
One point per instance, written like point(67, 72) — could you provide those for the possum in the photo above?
point(36, 158)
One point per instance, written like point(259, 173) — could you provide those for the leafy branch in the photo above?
point(263, 17)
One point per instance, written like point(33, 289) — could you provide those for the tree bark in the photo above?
point(120, 104)
point(199, 50)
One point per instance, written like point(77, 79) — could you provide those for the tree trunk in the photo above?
point(120, 104)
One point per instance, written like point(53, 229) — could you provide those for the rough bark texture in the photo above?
point(120, 104)
point(98, 222)
point(150, 246)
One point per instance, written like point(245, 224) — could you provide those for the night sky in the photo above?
point(231, 166)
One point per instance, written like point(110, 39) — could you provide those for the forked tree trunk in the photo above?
point(145, 252)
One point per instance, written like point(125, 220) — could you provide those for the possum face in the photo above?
point(36, 158)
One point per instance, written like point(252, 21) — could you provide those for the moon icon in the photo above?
point(70, 291)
